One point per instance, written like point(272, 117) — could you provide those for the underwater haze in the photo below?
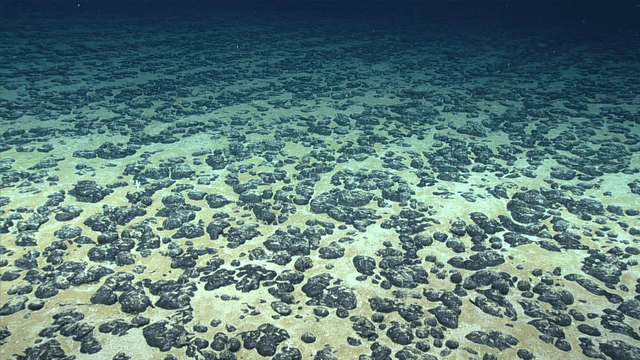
point(320, 180)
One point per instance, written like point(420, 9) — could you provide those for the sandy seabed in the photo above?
point(316, 187)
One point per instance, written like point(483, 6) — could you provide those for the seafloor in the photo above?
point(240, 186)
